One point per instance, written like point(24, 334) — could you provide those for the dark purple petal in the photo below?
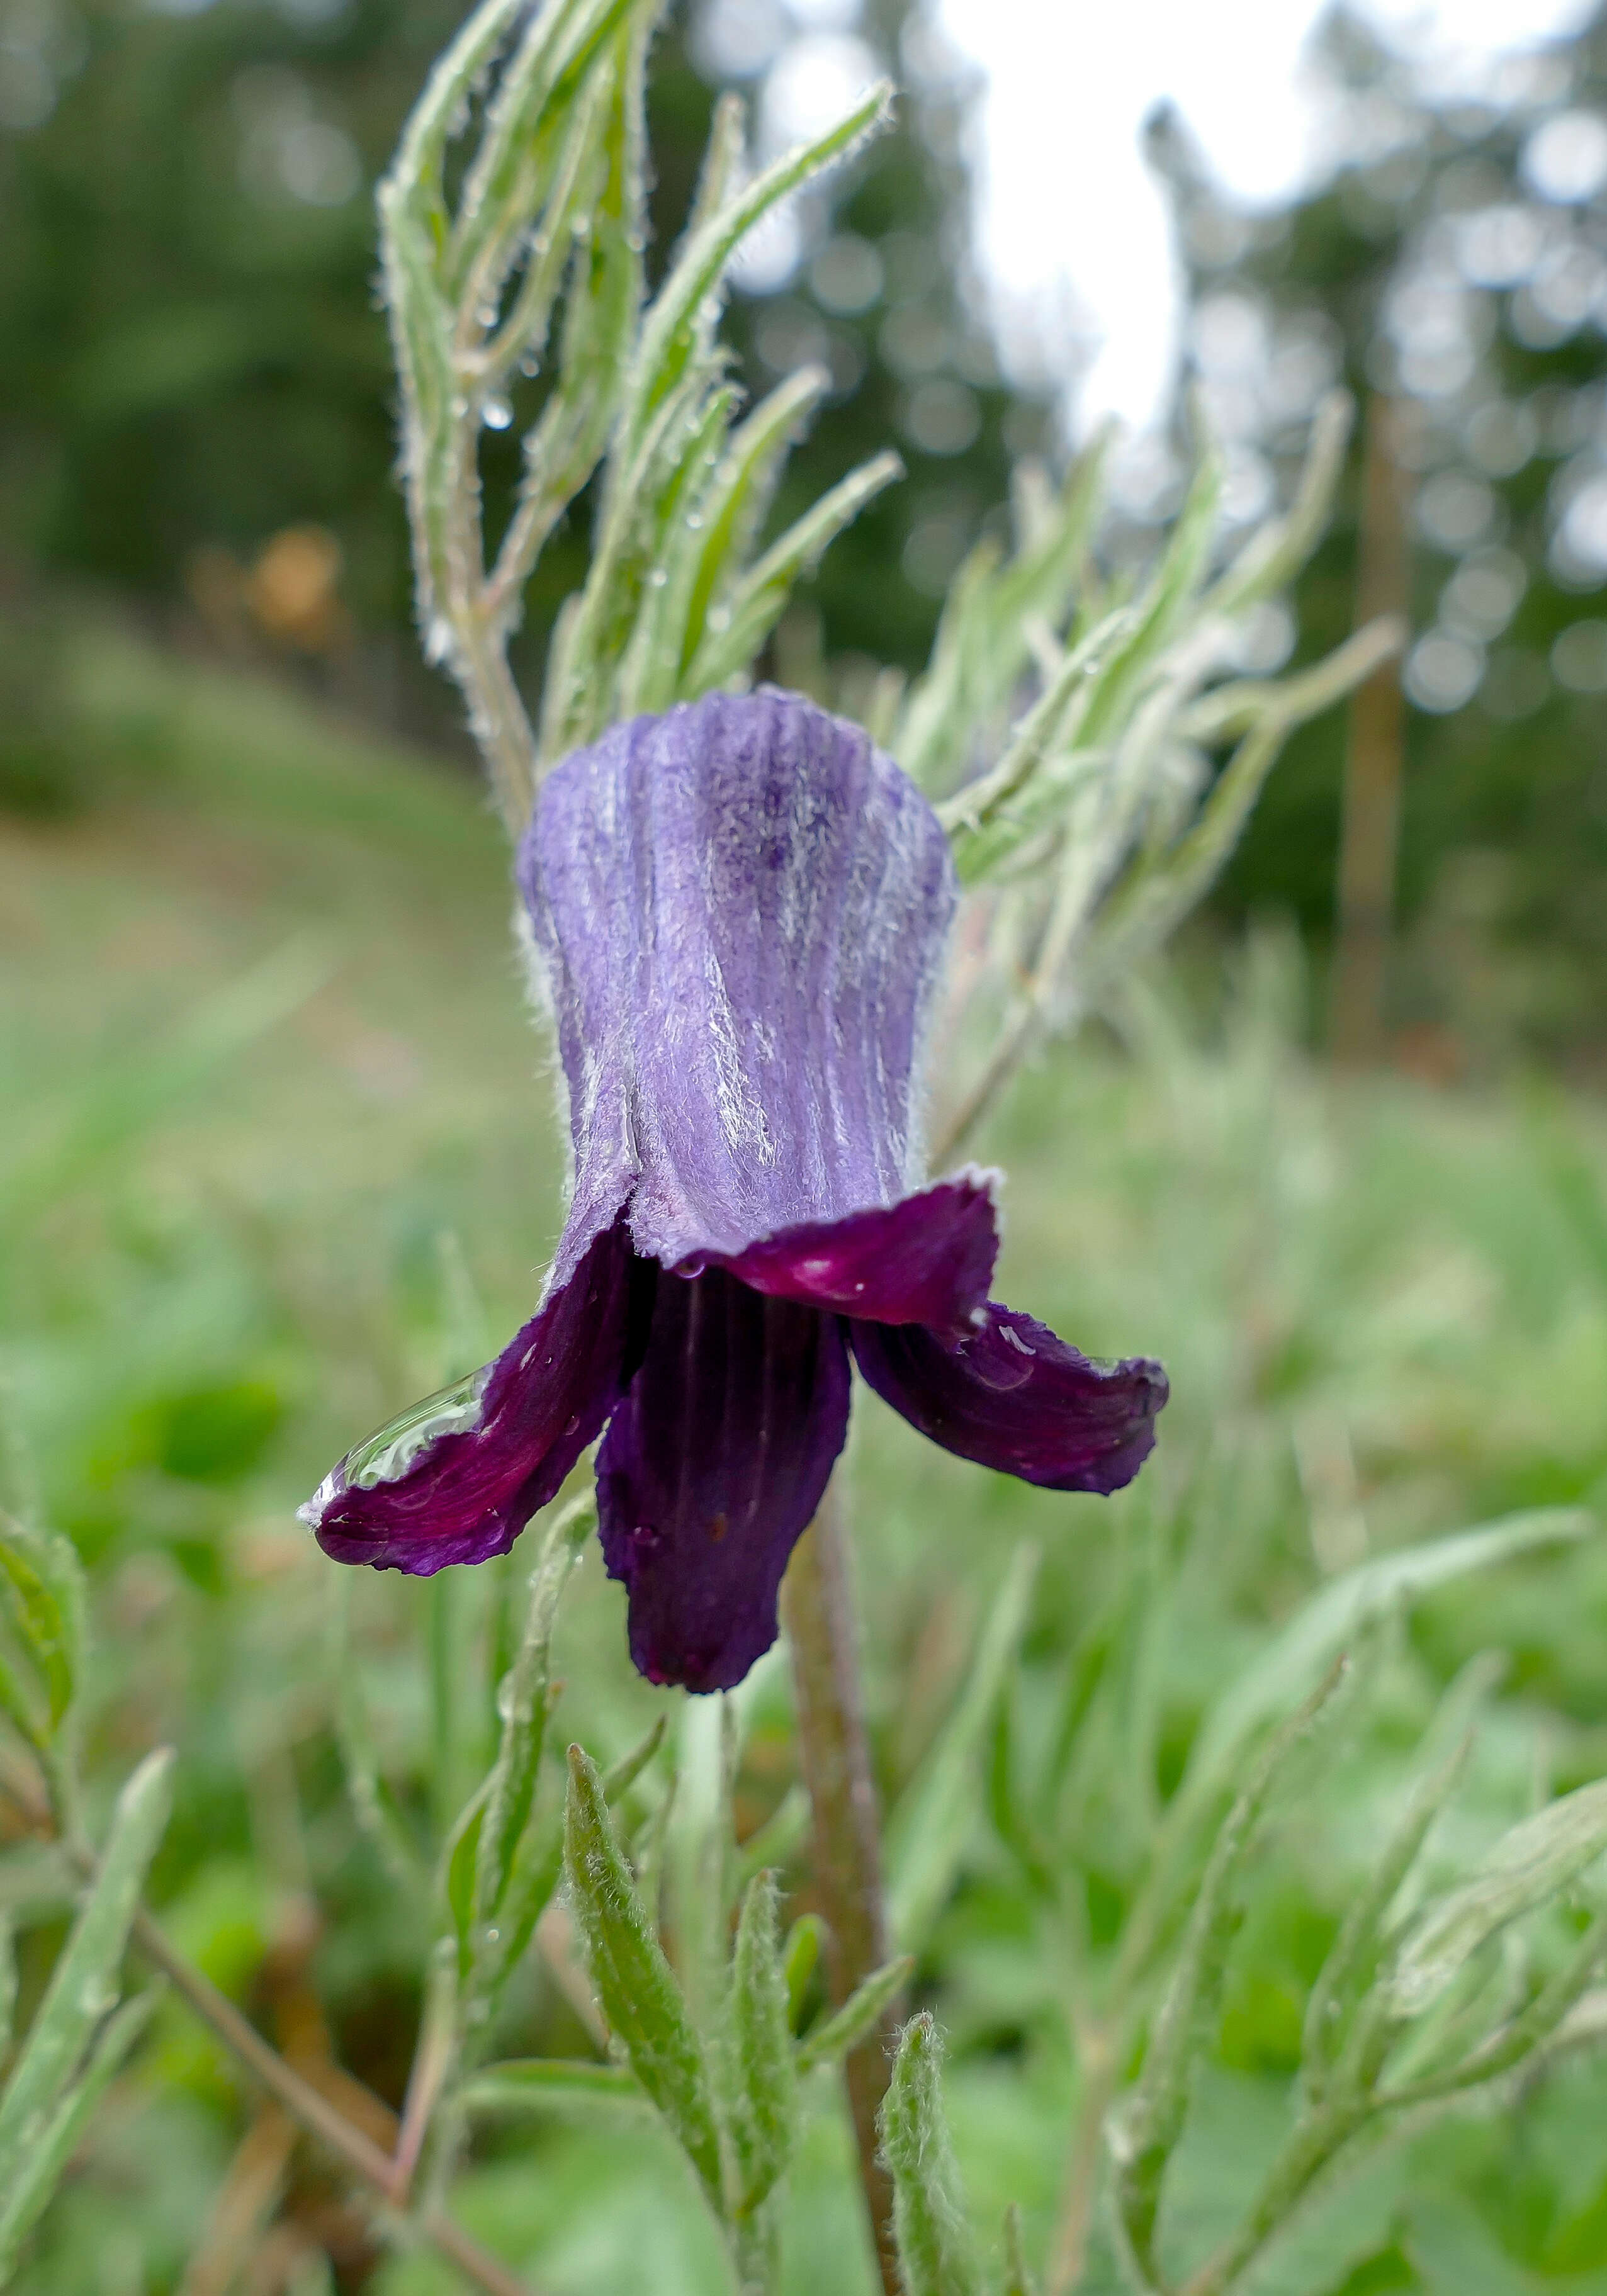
point(740, 906)
point(457, 1479)
point(1015, 1397)
point(927, 1259)
point(711, 1469)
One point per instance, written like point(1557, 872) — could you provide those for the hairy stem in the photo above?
point(818, 1612)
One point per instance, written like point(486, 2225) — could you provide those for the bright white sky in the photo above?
point(1072, 228)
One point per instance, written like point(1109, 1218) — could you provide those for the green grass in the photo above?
point(280, 1156)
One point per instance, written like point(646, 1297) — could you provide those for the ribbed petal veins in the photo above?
point(457, 1479)
point(741, 906)
point(1015, 1397)
point(927, 1259)
point(711, 1469)
point(737, 911)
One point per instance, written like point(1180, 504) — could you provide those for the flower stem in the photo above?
point(818, 1611)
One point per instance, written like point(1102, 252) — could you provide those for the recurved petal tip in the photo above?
point(1015, 1397)
point(457, 1479)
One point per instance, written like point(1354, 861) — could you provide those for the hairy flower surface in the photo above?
point(739, 910)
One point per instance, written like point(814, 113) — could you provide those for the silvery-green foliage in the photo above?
point(717, 2061)
point(1435, 1988)
point(1067, 732)
point(82, 2030)
point(537, 267)
point(935, 2255)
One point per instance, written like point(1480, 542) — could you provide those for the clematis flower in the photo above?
point(738, 909)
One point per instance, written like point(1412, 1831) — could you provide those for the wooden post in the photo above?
point(1370, 835)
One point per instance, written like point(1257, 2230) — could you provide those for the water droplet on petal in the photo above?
point(393, 1450)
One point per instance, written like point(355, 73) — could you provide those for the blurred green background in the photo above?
point(278, 1152)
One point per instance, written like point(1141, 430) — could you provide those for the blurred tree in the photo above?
point(196, 382)
point(1454, 265)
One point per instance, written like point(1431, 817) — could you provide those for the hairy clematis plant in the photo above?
point(738, 909)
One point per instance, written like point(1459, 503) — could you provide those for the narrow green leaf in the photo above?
point(1323, 1626)
point(1018, 2279)
point(8, 1980)
point(1352, 1961)
point(83, 1985)
point(674, 326)
point(929, 1826)
point(1551, 2018)
point(635, 1982)
point(411, 194)
point(650, 669)
point(1130, 664)
point(801, 1956)
point(523, 333)
point(27, 2190)
point(1146, 2127)
point(621, 1775)
point(935, 2255)
point(779, 1839)
point(460, 1864)
point(23, 1702)
point(1274, 555)
point(374, 1804)
point(1531, 1864)
point(722, 163)
point(740, 495)
point(503, 188)
point(762, 2117)
point(859, 2015)
point(1011, 1821)
point(984, 639)
point(757, 602)
point(522, 1701)
point(1162, 888)
point(552, 2084)
point(41, 1587)
point(972, 808)
point(537, 1868)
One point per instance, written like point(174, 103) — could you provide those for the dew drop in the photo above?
point(530, 365)
point(486, 315)
point(497, 413)
point(657, 578)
